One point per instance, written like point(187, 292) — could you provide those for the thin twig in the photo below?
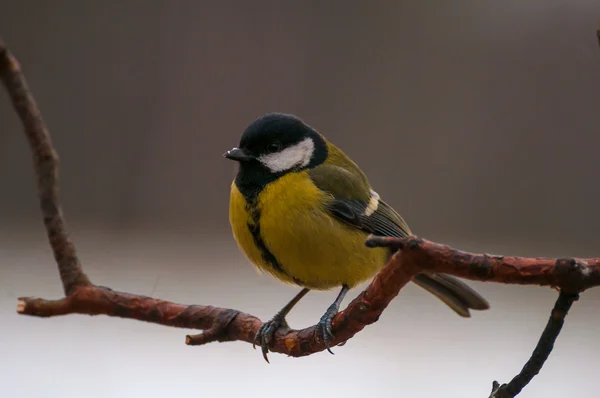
point(542, 350)
point(45, 161)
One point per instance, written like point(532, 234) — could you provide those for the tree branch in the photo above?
point(414, 255)
point(45, 161)
point(541, 352)
point(572, 275)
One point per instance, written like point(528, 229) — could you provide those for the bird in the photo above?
point(301, 210)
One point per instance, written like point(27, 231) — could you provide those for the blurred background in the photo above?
point(477, 120)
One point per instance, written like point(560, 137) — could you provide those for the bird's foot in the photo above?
point(324, 326)
point(267, 331)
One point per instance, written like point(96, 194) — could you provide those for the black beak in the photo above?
point(237, 154)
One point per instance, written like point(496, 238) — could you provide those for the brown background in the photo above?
point(478, 120)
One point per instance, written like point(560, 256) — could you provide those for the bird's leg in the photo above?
point(267, 330)
point(324, 325)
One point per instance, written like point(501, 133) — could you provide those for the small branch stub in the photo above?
point(217, 332)
point(21, 305)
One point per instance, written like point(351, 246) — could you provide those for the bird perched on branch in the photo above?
point(301, 210)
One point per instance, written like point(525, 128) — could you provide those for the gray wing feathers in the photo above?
point(453, 292)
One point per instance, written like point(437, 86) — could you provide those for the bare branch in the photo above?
point(45, 162)
point(572, 275)
point(223, 324)
point(541, 352)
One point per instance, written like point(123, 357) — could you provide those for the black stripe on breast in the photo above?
point(254, 228)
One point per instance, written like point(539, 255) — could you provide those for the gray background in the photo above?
point(478, 120)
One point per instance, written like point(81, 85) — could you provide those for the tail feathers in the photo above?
point(453, 292)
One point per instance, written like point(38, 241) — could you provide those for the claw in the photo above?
point(264, 336)
point(256, 338)
point(265, 347)
point(324, 327)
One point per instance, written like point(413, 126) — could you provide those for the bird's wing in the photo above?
point(355, 203)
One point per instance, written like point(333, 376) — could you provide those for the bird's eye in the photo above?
point(274, 147)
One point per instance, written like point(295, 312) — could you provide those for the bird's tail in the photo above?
point(452, 291)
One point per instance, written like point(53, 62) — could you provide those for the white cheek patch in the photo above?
point(373, 204)
point(297, 155)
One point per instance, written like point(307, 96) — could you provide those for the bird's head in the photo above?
point(276, 144)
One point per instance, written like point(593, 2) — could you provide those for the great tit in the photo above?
point(301, 210)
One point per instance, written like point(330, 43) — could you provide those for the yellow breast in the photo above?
point(310, 248)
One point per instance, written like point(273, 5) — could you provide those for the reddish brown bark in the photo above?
point(223, 324)
point(571, 275)
point(45, 161)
